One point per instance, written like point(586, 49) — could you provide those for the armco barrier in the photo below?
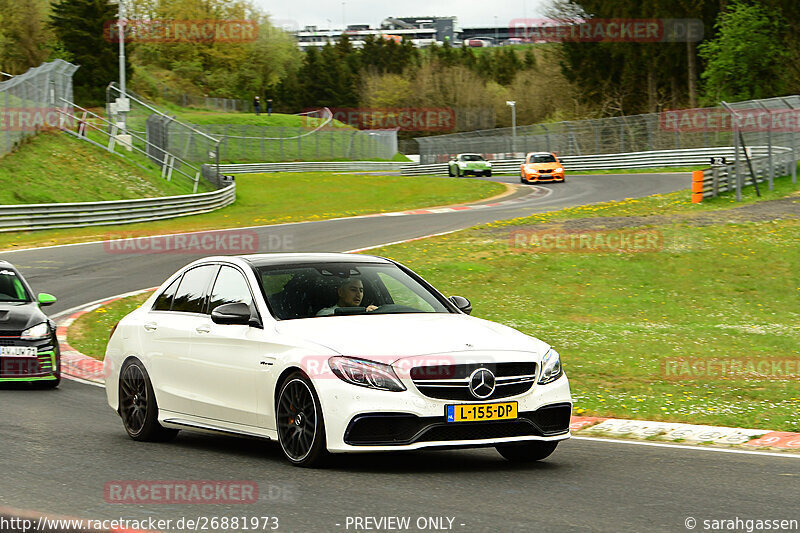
point(653, 159)
point(27, 217)
point(710, 182)
point(310, 166)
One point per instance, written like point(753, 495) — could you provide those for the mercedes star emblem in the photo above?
point(481, 383)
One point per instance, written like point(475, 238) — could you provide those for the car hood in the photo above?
point(16, 317)
point(391, 337)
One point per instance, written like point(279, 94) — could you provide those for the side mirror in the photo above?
point(235, 313)
point(462, 303)
point(46, 299)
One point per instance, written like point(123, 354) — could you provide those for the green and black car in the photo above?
point(28, 342)
point(469, 164)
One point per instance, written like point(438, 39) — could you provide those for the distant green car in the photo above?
point(469, 164)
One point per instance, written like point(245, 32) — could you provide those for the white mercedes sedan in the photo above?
point(331, 353)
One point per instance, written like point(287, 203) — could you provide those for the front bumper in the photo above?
point(43, 367)
point(358, 419)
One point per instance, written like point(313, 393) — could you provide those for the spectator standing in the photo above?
point(257, 105)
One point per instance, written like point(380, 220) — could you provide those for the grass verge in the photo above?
point(263, 199)
point(55, 167)
point(89, 333)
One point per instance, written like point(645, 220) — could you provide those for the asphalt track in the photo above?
point(61, 447)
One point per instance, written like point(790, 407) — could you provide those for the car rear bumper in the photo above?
point(544, 177)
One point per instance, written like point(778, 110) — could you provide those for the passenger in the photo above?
point(351, 292)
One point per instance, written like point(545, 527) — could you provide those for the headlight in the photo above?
point(559, 169)
point(37, 332)
point(551, 367)
point(366, 373)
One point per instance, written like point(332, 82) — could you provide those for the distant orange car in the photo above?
point(541, 166)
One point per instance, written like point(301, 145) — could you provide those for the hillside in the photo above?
point(54, 167)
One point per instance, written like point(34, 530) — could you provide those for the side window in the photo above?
point(230, 287)
point(192, 291)
point(401, 294)
point(164, 300)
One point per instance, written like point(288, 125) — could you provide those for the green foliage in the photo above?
point(746, 58)
point(25, 39)
point(79, 28)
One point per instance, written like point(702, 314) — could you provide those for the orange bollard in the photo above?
point(697, 186)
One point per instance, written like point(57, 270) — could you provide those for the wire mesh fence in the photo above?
point(669, 130)
point(30, 102)
point(317, 138)
point(311, 142)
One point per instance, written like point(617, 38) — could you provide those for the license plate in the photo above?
point(17, 351)
point(479, 412)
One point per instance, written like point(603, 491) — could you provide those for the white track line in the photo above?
point(685, 447)
point(84, 381)
point(357, 250)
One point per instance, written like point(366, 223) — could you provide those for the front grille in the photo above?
point(394, 429)
point(479, 430)
point(451, 382)
point(46, 362)
point(546, 171)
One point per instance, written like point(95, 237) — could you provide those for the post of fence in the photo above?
point(771, 169)
point(736, 146)
point(794, 143)
point(299, 143)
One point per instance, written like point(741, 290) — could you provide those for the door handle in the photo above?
point(150, 326)
point(203, 329)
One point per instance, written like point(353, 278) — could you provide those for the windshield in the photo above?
point(331, 289)
point(472, 157)
point(547, 158)
point(11, 287)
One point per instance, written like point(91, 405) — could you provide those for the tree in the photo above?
point(746, 58)
point(25, 39)
point(79, 27)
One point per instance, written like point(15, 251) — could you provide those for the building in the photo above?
point(422, 31)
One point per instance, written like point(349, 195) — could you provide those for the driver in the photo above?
point(351, 292)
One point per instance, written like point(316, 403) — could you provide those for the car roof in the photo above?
point(6, 264)
point(541, 153)
point(280, 259)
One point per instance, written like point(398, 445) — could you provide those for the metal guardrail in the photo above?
point(29, 217)
point(651, 159)
point(312, 166)
point(711, 182)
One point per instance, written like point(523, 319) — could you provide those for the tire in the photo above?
point(450, 171)
point(528, 452)
point(522, 179)
point(138, 407)
point(488, 173)
point(300, 423)
point(458, 171)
